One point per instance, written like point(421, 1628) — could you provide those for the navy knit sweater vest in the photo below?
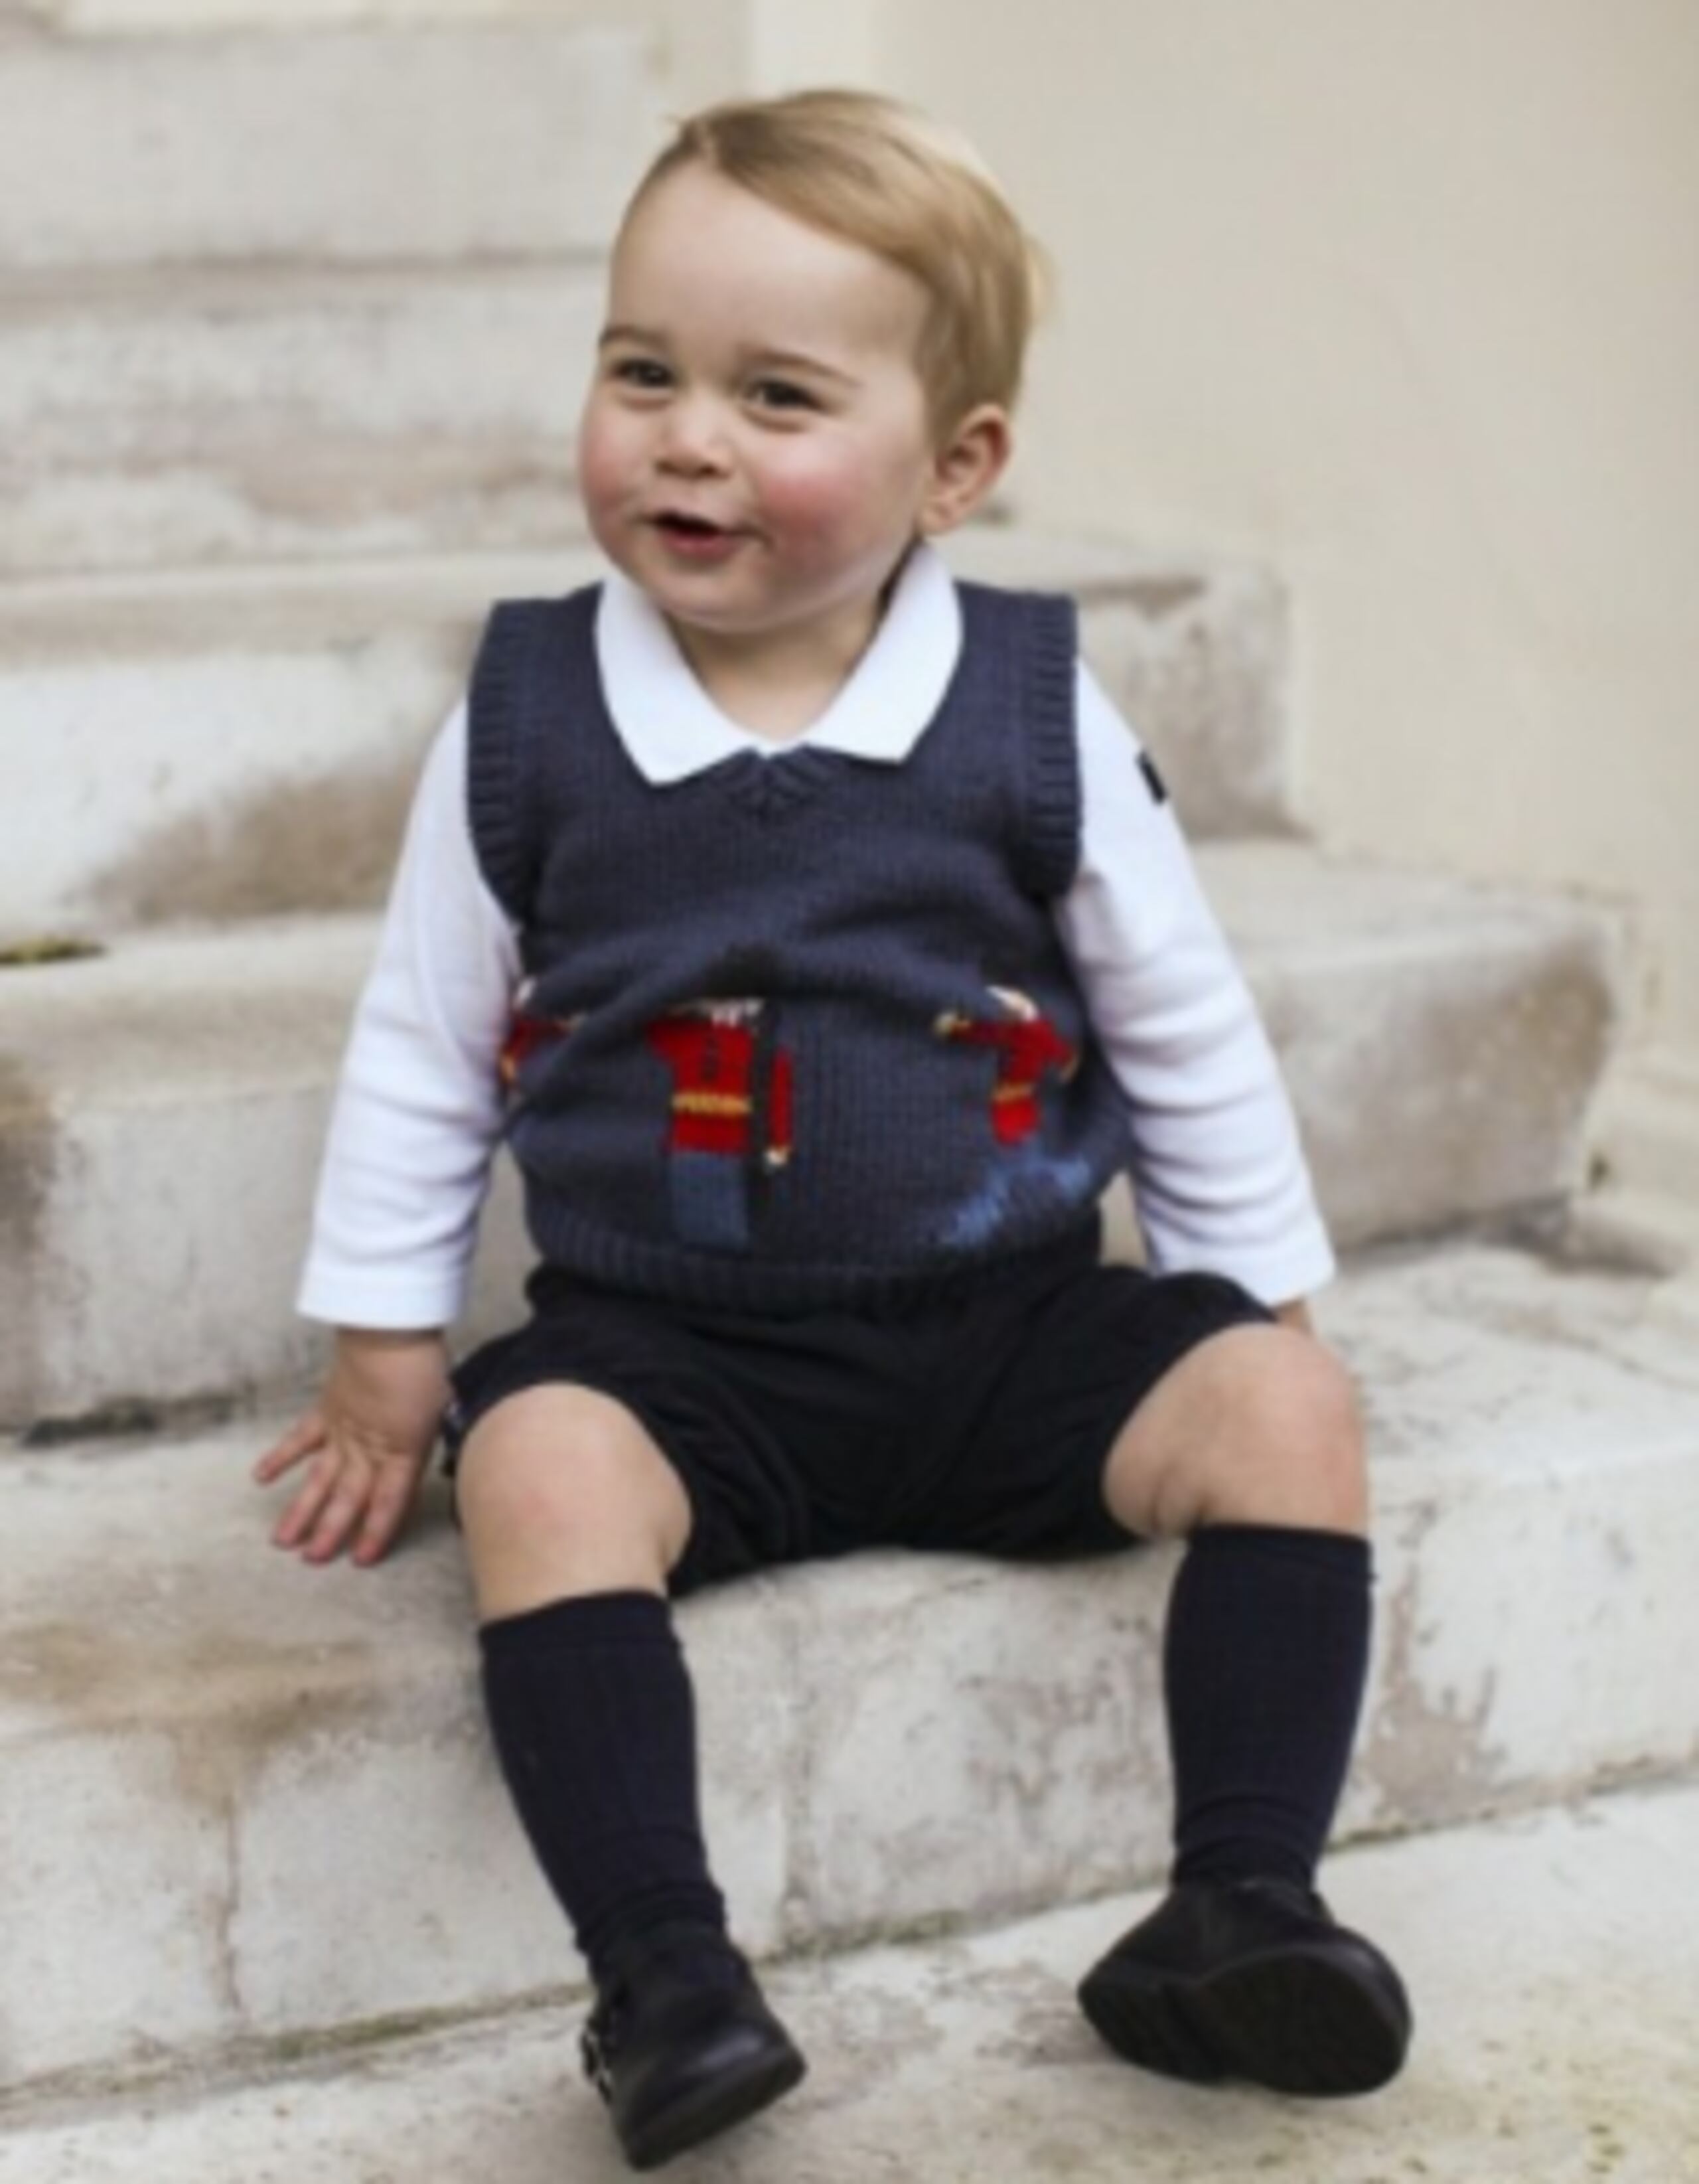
point(796, 1031)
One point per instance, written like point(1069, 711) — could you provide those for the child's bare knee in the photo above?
point(1258, 1426)
point(1295, 1453)
point(561, 1492)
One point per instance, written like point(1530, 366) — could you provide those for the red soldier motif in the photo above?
point(711, 1052)
point(716, 1057)
point(1026, 1045)
point(526, 1034)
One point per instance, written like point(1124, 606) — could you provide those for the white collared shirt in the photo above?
point(1218, 1170)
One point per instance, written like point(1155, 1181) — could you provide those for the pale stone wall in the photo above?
point(117, 17)
point(716, 47)
point(704, 48)
point(1398, 295)
point(1402, 295)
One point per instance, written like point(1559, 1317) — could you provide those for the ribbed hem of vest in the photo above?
point(523, 640)
point(492, 765)
point(570, 1245)
point(1054, 796)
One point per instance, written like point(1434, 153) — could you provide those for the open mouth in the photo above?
point(679, 525)
point(690, 538)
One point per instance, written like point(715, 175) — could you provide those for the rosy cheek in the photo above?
point(811, 500)
point(601, 472)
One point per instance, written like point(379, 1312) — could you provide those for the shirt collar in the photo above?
point(672, 728)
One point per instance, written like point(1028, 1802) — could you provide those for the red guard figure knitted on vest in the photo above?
point(730, 1115)
point(526, 1036)
point(1027, 1044)
point(1029, 1048)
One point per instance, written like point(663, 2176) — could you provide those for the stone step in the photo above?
point(299, 1828)
point(259, 415)
point(353, 145)
point(241, 742)
point(1441, 1042)
point(1643, 1144)
point(1553, 1960)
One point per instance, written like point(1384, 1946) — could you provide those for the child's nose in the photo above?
point(693, 438)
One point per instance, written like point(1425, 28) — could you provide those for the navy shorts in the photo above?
point(981, 1423)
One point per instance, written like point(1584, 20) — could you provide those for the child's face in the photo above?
point(755, 452)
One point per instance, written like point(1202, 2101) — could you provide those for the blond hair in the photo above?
point(875, 172)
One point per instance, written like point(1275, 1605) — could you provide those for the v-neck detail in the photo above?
point(772, 788)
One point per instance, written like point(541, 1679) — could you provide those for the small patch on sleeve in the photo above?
point(1153, 780)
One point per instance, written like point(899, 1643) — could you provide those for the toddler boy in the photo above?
point(821, 944)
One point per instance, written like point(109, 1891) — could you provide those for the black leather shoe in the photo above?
point(681, 2044)
point(1251, 1980)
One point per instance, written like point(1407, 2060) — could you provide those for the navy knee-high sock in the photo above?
point(1264, 1662)
point(591, 1708)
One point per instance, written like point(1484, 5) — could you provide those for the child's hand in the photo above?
point(368, 1438)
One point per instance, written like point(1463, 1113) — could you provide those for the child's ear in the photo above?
point(965, 467)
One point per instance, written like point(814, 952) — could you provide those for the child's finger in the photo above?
point(306, 1434)
point(342, 1513)
point(391, 1493)
point(315, 1490)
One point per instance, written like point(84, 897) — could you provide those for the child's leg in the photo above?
point(1251, 1446)
point(573, 1520)
point(1080, 1406)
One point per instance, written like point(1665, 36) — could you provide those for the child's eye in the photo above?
point(780, 394)
point(641, 371)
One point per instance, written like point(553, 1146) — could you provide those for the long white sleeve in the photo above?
point(1219, 1173)
point(418, 1110)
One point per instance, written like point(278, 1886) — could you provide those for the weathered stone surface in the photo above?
point(164, 1118)
point(1194, 654)
point(1433, 1035)
point(1644, 1166)
point(1554, 1963)
point(237, 745)
point(114, 1892)
point(240, 743)
point(404, 1786)
point(1442, 1042)
point(943, 1684)
point(1535, 1441)
point(308, 1828)
point(266, 415)
point(349, 145)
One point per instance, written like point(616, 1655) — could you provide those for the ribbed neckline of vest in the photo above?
point(770, 787)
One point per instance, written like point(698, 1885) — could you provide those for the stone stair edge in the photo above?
point(305, 600)
point(963, 2059)
point(296, 603)
point(384, 416)
point(192, 44)
point(29, 293)
point(1512, 1668)
point(1290, 901)
point(1440, 1073)
point(140, 1088)
point(573, 100)
point(75, 26)
point(1499, 1298)
point(1502, 1295)
point(243, 742)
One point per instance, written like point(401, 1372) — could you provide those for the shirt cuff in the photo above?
point(1296, 1267)
point(393, 1302)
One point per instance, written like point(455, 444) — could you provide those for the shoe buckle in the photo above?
point(592, 2051)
